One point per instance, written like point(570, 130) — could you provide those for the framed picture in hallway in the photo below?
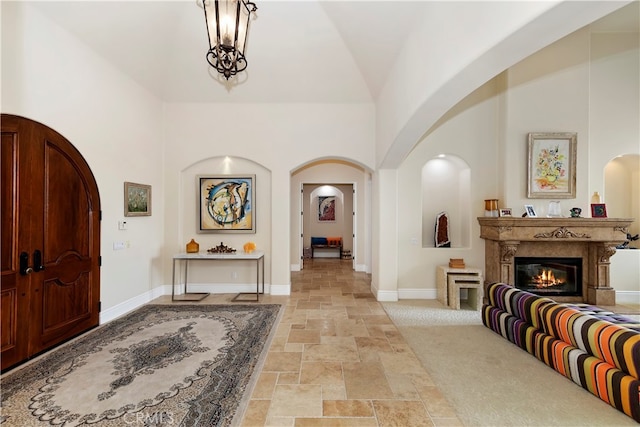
point(551, 171)
point(226, 204)
point(326, 208)
point(137, 199)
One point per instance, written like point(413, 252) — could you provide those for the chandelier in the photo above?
point(227, 27)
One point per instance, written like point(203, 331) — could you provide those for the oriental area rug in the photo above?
point(160, 365)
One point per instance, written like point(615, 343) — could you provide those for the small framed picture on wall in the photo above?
point(327, 208)
point(137, 199)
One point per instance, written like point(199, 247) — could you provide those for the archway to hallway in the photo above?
point(345, 184)
point(328, 214)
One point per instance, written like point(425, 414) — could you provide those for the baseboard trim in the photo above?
point(627, 297)
point(417, 294)
point(131, 304)
point(280, 290)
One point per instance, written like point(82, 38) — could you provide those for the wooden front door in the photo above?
point(50, 228)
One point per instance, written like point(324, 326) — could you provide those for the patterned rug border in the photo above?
point(238, 368)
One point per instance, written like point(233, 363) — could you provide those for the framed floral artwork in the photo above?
point(227, 204)
point(551, 172)
point(137, 199)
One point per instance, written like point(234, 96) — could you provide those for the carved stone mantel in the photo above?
point(592, 239)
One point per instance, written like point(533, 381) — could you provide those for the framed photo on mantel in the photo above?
point(551, 171)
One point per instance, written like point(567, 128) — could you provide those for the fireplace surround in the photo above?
point(592, 240)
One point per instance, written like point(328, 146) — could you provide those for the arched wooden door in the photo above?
point(50, 255)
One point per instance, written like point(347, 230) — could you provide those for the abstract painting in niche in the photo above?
point(227, 204)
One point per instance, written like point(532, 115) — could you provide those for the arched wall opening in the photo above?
point(446, 187)
point(332, 176)
point(622, 189)
point(236, 276)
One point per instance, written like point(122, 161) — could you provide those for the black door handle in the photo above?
point(37, 261)
point(24, 264)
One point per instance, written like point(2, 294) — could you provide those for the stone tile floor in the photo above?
point(336, 359)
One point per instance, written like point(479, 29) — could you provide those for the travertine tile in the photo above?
point(351, 328)
point(324, 373)
point(331, 351)
point(326, 327)
point(347, 408)
point(288, 378)
point(366, 380)
point(402, 386)
point(334, 392)
point(256, 413)
point(296, 400)
point(304, 336)
point(401, 413)
point(282, 362)
point(337, 360)
point(265, 385)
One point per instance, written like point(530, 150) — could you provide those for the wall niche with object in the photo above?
point(446, 187)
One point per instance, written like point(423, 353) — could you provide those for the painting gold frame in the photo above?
point(551, 172)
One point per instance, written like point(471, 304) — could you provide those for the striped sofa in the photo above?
point(596, 349)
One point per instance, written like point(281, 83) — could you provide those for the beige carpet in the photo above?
point(487, 379)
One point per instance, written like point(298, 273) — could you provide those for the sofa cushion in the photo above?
point(617, 345)
point(318, 241)
point(334, 241)
point(521, 304)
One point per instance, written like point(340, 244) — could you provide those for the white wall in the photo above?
point(128, 135)
point(279, 138)
point(51, 77)
point(469, 131)
point(551, 91)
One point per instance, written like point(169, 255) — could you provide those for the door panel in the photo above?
point(57, 211)
point(14, 288)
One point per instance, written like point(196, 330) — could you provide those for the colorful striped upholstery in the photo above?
point(615, 344)
point(595, 348)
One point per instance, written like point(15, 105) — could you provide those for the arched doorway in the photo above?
point(50, 240)
point(334, 173)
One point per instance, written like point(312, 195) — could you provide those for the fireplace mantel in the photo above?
point(592, 239)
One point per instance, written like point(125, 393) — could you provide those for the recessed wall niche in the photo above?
point(446, 187)
point(622, 189)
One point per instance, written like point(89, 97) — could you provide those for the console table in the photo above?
point(185, 258)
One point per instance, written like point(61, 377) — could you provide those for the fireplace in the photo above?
point(591, 240)
point(549, 276)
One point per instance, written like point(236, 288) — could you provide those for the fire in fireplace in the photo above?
point(549, 276)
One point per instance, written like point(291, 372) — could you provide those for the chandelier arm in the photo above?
point(237, 29)
point(206, 22)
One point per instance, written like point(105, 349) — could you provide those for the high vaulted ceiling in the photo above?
point(299, 51)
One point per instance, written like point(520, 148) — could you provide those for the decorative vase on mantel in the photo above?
point(193, 247)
